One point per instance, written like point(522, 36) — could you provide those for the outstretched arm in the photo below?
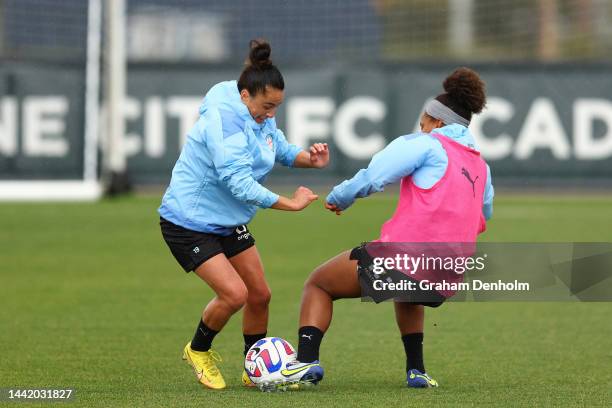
point(302, 197)
point(400, 158)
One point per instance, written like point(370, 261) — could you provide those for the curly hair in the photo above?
point(464, 92)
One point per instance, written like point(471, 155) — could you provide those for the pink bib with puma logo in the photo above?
point(449, 211)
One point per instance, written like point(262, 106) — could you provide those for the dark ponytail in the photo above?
point(259, 71)
point(464, 93)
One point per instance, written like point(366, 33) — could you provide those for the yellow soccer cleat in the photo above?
point(246, 380)
point(203, 363)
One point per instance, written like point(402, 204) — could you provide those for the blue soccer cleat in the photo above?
point(302, 373)
point(417, 379)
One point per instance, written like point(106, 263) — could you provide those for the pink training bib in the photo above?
point(449, 211)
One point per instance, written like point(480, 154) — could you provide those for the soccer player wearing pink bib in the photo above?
point(446, 195)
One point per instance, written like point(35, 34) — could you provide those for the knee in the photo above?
point(316, 278)
point(260, 297)
point(235, 298)
point(308, 284)
point(318, 283)
point(313, 282)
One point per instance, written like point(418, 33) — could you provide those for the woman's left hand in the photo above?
point(319, 155)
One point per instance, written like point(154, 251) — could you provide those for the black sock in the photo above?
point(413, 345)
point(203, 337)
point(250, 339)
point(309, 342)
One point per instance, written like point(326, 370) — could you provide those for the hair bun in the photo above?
point(260, 53)
point(465, 88)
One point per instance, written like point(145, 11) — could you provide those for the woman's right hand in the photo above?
point(302, 198)
point(333, 208)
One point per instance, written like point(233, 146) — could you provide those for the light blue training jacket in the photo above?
point(420, 155)
point(216, 182)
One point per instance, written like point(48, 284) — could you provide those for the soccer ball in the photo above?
point(266, 359)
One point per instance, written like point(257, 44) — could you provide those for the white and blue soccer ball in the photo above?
point(266, 360)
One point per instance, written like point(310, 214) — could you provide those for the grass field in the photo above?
point(91, 299)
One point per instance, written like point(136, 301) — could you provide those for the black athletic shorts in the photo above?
point(192, 248)
point(366, 277)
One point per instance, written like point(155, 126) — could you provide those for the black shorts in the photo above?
point(192, 248)
point(366, 277)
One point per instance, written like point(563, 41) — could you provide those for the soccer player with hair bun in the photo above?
point(214, 193)
point(446, 195)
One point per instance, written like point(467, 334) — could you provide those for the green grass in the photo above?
point(92, 299)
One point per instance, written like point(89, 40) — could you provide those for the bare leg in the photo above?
point(231, 292)
point(335, 279)
point(410, 318)
point(255, 313)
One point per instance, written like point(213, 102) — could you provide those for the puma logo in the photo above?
point(473, 182)
point(308, 336)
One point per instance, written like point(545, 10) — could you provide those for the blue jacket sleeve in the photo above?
point(233, 161)
point(487, 202)
point(285, 151)
point(400, 158)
